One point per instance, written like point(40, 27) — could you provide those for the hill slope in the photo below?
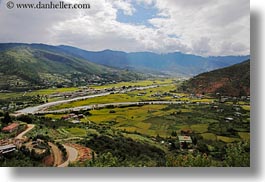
point(231, 81)
point(24, 66)
point(176, 64)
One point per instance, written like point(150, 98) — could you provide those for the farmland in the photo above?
point(154, 127)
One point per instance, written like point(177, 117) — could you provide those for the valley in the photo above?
point(62, 106)
point(149, 115)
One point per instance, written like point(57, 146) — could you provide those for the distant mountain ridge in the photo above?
point(230, 81)
point(173, 64)
point(24, 66)
point(176, 64)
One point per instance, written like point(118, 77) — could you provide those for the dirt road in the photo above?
point(72, 156)
point(57, 154)
point(29, 127)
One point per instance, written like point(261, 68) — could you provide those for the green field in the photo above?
point(227, 139)
point(77, 131)
point(37, 92)
point(138, 83)
point(209, 136)
point(127, 97)
point(244, 135)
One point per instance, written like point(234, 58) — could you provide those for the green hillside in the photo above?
point(230, 81)
point(23, 67)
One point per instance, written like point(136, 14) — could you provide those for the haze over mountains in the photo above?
point(176, 64)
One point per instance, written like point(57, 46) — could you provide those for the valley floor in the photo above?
point(145, 123)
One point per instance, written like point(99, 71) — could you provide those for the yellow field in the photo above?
point(246, 107)
point(131, 119)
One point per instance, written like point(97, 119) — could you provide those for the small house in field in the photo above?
point(185, 142)
point(11, 128)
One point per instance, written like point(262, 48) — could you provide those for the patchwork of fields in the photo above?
point(212, 124)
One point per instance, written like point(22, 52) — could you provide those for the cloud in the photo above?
point(203, 27)
point(219, 21)
point(202, 46)
point(125, 6)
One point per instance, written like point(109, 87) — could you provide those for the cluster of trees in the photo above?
point(232, 155)
point(6, 119)
point(125, 151)
point(33, 154)
point(62, 149)
point(19, 159)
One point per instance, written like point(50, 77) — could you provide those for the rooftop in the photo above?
point(185, 139)
point(7, 147)
point(10, 127)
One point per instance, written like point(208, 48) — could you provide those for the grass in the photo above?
point(209, 136)
point(72, 89)
point(145, 119)
point(128, 115)
point(37, 92)
point(227, 139)
point(54, 116)
point(76, 131)
point(127, 97)
point(144, 139)
point(200, 128)
point(138, 83)
point(244, 135)
point(246, 107)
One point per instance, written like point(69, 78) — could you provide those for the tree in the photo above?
point(238, 155)
point(25, 118)
point(7, 119)
point(174, 133)
point(104, 160)
point(189, 160)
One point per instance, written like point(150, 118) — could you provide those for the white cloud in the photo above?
point(204, 27)
point(125, 6)
point(218, 21)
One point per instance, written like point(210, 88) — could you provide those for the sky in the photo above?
point(200, 27)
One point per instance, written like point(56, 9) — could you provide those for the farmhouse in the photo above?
point(185, 141)
point(11, 128)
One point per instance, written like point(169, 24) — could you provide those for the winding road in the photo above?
point(72, 156)
point(57, 154)
point(21, 135)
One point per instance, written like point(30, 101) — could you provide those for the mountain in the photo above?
point(230, 81)
point(176, 64)
point(24, 66)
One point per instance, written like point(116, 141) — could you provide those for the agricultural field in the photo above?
point(155, 128)
point(137, 83)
